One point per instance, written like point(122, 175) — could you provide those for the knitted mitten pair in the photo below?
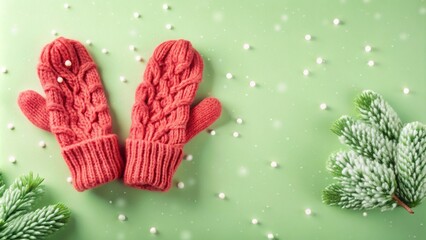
point(76, 111)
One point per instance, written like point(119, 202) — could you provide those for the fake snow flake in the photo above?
point(153, 230)
point(89, 42)
point(69, 179)
point(3, 70)
point(188, 157)
point(252, 84)
point(60, 80)
point(320, 60)
point(306, 72)
point(239, 121)
point(138, 58)
point(123, 79)
point(308, 211)
point(274, 164)
point(246, 46)
point(122, 217)
point(270, 236)
point(308, 37)
point(212, 132)
point(254, 221)
point(229, 76)
point(42, 144)
point(12, 159)
point(105, 51)
point(323, 106)
point(166, 6)
point(406, 91)
point(336, 21)
point(180, 185)
point(364, 214)
point(132, 48)
point(169, 26)
point(136, 15)
point(221, 195)
point(368, 48)
point(68, 63)
point(371, 63)
point(67, 6)
point(10, 126)
point(235, 134)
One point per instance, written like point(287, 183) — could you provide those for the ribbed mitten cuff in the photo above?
point(151, 165)
point(93, 162)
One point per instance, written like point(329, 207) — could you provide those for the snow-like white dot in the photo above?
point(254, 221)
point(11, 126)
point(239, 120)
point(252, 84)
point(60, 80)
point(138, 58)
point(42, 144)
point(320, 60)
point(406, 90)
point(12, 159)
point(68, 63)
point(270, 236)
point(54, 32)
point(69, 179)
point(364, 214)
point(136, 15)
point(169, 26)
point(166, 6)
point(153, 230)
point(122, 217)
point(235, 134)
point(132, 48)
point(180, 185)
point(336, 21)
point(308, 211)
point(308, 37)
point(368, 48)
point(123, 79)
point(212, 132)
point(3, 70)
point(371, 63)
point(323, 106)
point(274, 164)
point(105, 51)
point(246, 46)
point(89, 42)
point(306, 72)
point(221, 195)
point(229, 76)
point(188, 157)
point(67, 6)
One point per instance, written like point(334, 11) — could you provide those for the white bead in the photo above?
point(12, 159)
point(89, 42)
point(153, 230)
point(69, 179)
point(122, 217)
point(306, 72)
point(166, 6)
point(239, 120)
point(138, 58)
point(66, 6)
point(308, 37)
point(68, 63)
point(308, 211)
point(274, 164)
point(105, 51)
point(270, 236)
point(406, 90)
point(246, 46)
point(371, 63)
point(123, 79)
point(212, 132)
point(254, 221)
point(10, 126)
point(188, 157)
point(252, 84)
point(180, 185)
point(336, 21)
point(222, 195)
point(320, 60)
point(364, 214)
point(235, 134)
point(60, 80)
point(169, 26)
point(136, 15)
point(368, 48)
point(54, 33)
point(229, 76)
point(42, 144)
point(323, 106)
point(3, 69)
point(132, 48)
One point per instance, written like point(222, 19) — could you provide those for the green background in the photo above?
point(282, 120)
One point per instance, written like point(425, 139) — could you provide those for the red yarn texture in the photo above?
point(162, 120)
point(76, 112)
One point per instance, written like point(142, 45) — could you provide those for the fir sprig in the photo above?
point(387, 164)
point(17, 221)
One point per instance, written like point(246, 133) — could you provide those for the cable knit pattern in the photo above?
point(162, 121)
point(77, 113)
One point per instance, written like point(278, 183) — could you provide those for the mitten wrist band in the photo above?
point(151, 165)
point(93, 162)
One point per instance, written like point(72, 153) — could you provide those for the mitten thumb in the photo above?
point(202, 116)
point(33, 105)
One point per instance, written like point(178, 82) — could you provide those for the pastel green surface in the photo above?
point(282, 120)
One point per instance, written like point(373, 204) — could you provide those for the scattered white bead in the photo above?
point(138, 58)
point(122, 217)
point(69, 179)
point(368, 48)
point(254, 221)
point(364, 214)
point(406, 90)
point(105, 51)
point(136, 15)
point(169, 26)
point(235, 134)
point(166, 6)
point(270, 236)
point(371, 63)
point(246, 46)
point(229, 76)
point(320, 60)
point(11, 126)
point(188, 157)
point(308, 37)
point(12, 159)
point(239, 121)
point(274, 164)
point(60, 80)
point(89, 42)
point(336, 21)
point(252, 84)
point(306, 72)
point(222, 195)
point(323, 106)
point(68, 63)
point(132, 48)
point(212, 132)
point(42, 144)
point(3, 70)
point(123, 79)
point(180, 185)
point(67, 6)
point(153, 230)
point(308, 211)
point(54, 33)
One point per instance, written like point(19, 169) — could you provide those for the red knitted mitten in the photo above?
point(76, 112)
point(162, 121)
